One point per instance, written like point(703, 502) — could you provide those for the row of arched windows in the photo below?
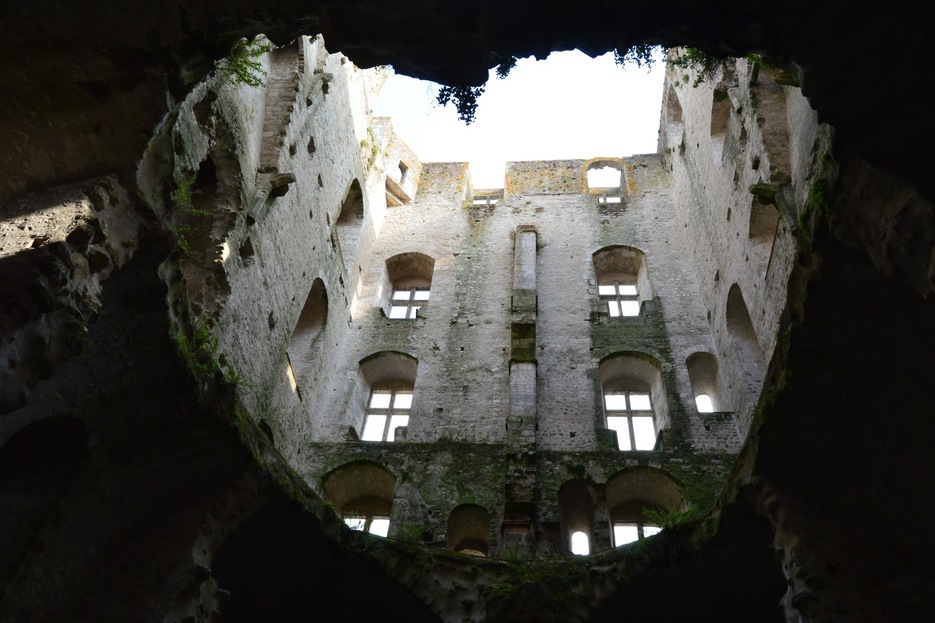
point(633, 397)
point(592, 517)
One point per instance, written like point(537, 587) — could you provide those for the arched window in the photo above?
point(631, 387)
point(409, 282)
point(576, 507)
point(622, 282)
point(634, 491)
point(702, 370)
point(387, 384)
point(362, 494)
point(469, 530)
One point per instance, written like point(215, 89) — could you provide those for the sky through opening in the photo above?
point(568, 106)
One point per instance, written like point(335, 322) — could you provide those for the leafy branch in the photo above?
point(240, 67)
point(671, 519)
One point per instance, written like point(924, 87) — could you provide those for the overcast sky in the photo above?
point(567, 106)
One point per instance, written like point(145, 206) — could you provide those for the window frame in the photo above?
point(410, 305)
point(394, 389)
point(617, 299)
point(628, 413)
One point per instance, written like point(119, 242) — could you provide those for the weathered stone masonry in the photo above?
point(511, 356)
point(140, 492)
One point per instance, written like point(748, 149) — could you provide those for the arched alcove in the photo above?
point(469, 530)
point(633, 491)
point(720, 117)
point(749, 353)
point(362, 493)
point(350, 221)
point(303, 347)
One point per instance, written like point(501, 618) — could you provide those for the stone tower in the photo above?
point(277, 329)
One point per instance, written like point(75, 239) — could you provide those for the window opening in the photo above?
point(387, 410)
point(604, 177)
point(630, 413)
point(403, 169)
point(704, 404)
point(579, 544)
point(628, 531)
point(406, 303)
point(622, 299)
point(371, 524)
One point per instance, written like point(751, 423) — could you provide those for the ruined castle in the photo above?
point(278, 367)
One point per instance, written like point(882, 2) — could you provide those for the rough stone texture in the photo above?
point(57, 248)
point(822, 469)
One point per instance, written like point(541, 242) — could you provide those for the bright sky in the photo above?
point(568, 106)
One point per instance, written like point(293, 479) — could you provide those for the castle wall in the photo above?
point(752, 153)
point(510, 357)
